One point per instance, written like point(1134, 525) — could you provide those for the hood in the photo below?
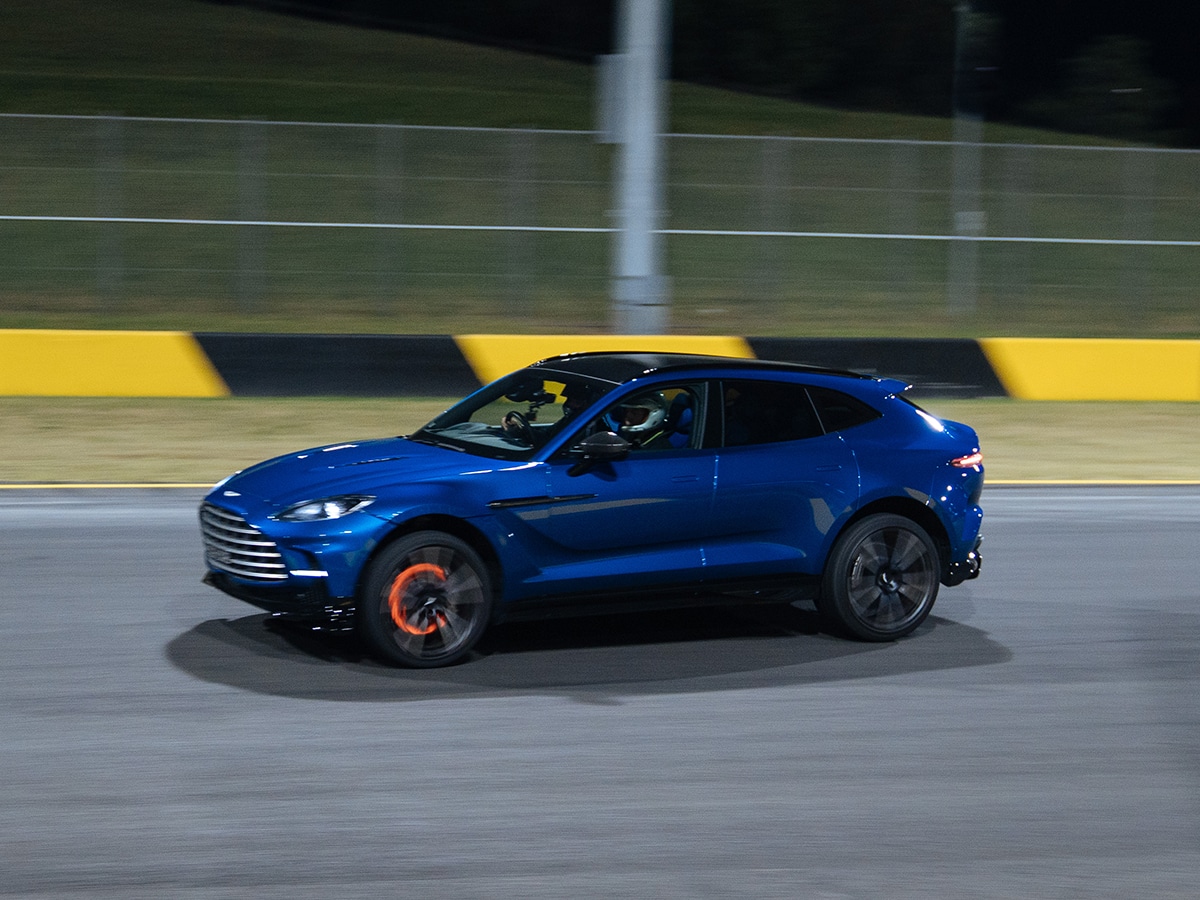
point(351, 467)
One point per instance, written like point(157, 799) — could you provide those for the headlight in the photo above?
point(328, 508)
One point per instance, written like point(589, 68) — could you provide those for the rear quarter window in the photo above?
point(840, 411)
point(767, 412)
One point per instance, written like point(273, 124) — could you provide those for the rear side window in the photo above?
point(840, 411)
point(767, 412)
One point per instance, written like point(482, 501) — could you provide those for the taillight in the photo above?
point(970, 461)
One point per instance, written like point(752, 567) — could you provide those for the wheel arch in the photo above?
point(912, 509)
point(446, 524)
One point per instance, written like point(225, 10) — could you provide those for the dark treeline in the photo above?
point(1108, 67)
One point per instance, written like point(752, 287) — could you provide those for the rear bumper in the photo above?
point(964, 570)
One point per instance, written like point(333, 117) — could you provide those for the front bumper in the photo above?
point(310, 601)
point(292, 567)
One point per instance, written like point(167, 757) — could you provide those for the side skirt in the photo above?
point(778, 590)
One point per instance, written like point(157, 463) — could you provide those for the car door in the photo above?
point(638, 521)
point(782, 483)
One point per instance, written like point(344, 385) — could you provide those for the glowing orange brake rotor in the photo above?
point(400, 587)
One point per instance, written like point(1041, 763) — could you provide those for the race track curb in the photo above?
point(210, 364)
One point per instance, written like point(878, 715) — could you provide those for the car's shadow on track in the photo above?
point(594, 659)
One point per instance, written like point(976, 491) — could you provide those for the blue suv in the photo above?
point(630, 480)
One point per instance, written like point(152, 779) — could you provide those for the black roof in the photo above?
point(619, 367)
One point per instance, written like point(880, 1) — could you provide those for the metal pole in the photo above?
point(109, 191)
point(519, 206)
point(1015, 269)
point(1138, 224)
point(640, 292)
point(252, 243)
point(962, 288)
point(389, 166)
point(905, 183)
point(773, 208)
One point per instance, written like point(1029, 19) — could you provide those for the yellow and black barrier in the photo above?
point(182, 364)
point(1095, 369)
point(53, 363)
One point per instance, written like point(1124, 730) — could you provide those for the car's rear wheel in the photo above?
point(426, 600)
point(881, 579)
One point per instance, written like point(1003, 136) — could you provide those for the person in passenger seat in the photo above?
point(641, 420)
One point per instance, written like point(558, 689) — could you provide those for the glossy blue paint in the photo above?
point(702, 497)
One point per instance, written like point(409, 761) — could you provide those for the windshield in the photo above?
point(513, 417)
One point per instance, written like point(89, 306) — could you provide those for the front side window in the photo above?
point(660, 418)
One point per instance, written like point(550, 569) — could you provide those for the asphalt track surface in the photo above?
point(1037, 738)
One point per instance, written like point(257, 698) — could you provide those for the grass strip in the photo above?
point(167, 441)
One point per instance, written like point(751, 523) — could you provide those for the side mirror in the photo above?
point(604, 446)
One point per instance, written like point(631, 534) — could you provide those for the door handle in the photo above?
point(832, 468)
point(680, 479)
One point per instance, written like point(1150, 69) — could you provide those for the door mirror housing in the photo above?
point(604, 446)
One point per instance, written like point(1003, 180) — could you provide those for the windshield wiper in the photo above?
point(433, 443)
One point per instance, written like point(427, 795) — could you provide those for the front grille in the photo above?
point(233, 545)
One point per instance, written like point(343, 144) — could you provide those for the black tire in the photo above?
point(881, 579)
point(426, 601)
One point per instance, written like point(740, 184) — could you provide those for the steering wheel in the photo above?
point(516, 426)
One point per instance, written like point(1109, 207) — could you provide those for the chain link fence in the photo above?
point(214, 225)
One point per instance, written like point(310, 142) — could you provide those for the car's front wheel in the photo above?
point(881, 579)
point(426, 600)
